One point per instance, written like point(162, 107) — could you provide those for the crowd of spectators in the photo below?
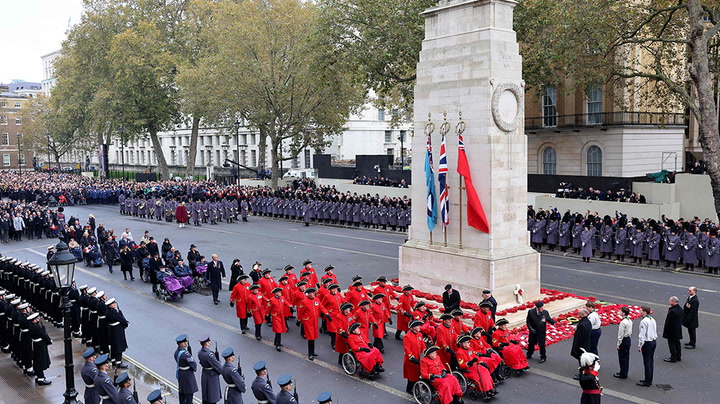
point(380, 182)
point(567, 190)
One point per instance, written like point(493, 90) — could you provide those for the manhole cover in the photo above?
point(665, 387)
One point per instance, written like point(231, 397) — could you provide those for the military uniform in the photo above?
point(88, 373)
point(234, 379)
point(261, 388)
point(104, 385)
point(185, 372)
point(211, 370)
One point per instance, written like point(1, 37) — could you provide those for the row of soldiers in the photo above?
point(231, 373)
point(27, 295)
point(211, 210)
point(674, 242)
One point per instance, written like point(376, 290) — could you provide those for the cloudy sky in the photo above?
point(30, 29)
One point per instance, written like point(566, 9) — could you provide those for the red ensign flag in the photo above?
point(475, 213)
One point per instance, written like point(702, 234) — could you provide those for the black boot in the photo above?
point(397, 335)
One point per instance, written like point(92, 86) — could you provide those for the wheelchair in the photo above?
point(425, 393)
point(351, 366)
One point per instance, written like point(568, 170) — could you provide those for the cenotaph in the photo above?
point(469, 76)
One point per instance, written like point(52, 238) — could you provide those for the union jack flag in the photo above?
point(442, 179)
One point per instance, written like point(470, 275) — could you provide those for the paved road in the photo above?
point(154, 324)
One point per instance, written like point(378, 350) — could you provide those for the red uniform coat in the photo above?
point(292, 279)
point(364, 318)
point(256, 306)
point(332, 303)
point(368, 360)
point(413, 345)
point(484, 320)
point(389, 294)
point(355, 296)
point(341, 323)
point(481, 346)
point(331, 276)
point(407, 303)
point(448, 386)
point(459, 326)
point(297, 297)
point(313, 280)
point(309, 313)
point(287, 295)
point(322, 292)
point(381, 316)
point(428, 328)
point(267, 285)
point(476, 371)
point(181, 214)
point(239, 296)
point(276, 308)
point(446, 340)
point(512, 354)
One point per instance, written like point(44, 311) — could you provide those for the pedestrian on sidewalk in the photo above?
point(647, 341)
point(690, 315)
point(623, 343)
point(672, 330)
point(537, 322)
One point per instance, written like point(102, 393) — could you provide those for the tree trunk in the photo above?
point(702, 79)
point(157, 147)
point(192, 153)
point(276, 159)
point(262, 145)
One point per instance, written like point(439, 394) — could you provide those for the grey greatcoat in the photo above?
point(262, 391)
point(235, 384)
point(210, 379)
point(185, 374)
point(88, 373)
point(672, 253)
point(106, 388)
point(654, 247)
point(620, 240)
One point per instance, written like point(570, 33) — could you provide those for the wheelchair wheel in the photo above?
point(507, 371)
point(349, 363)
point(423, 392)
point(461, 380)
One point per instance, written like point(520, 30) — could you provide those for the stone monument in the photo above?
point(470, 71)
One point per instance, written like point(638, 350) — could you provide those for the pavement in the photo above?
point(154, 323)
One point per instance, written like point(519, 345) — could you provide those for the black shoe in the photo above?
point(619, 376)
point(643, 383)
point(43, 382)
point(216, 302)
point(671, 360)
point(258, 338)
point(122, 366)
point(688, 346)
point(576, 377)
point(312, 358)
point(542, 360)
point(278, 348)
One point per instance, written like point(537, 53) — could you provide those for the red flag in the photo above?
point(475, 213)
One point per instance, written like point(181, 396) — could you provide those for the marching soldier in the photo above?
point(277, 307)
point(88, 373)
point(307, 264)
point(211, 370)
point(186, 368)
point(381, 315)
point(40, 341)
point(413, 345)
point(256, 307)
point(103, 383)
point(332, 302)
point(309, 313)
point(261, 388)
point(285, 396)
point(125, 396)
point(404, 313)
point(239, 298)
point(233, 378)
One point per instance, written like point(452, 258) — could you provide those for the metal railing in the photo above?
point(604, 119)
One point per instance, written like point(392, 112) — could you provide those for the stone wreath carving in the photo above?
point(506, 123)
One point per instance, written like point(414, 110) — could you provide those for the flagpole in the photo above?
point(459, 129)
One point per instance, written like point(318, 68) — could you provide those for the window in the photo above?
point(217, 156)
point(18, 104)
point(549, 106)
point(5, 139)
point(381, 114)
point(3, 104)
point(548, 161)
point(202, 140)
point(295, 163)
point(388, 136)
point(235, 155)
point(202, 158)
point(391, 152)
point(172, 157)
point(3, 120)
point(307, 159)
point(244, 139)
point(252, 138)
point(253, 158)
point(594, 161)
point(594, 105)
point(243, 157)
point(18, 121)
point(6, 160)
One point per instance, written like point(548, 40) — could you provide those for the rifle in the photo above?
point(267, 375)
point(239, 369)
point(295, 394)
point(217, 354)
point(135, 394)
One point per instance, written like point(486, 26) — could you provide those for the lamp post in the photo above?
point(401, 138)
point(47, 134)
point(122, 150)
point(62, 265)
point(237, 149)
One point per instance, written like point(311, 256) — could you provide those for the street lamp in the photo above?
point(62, 265)
point(237, 148)
point(122, 150)
point(401, 138)
point(47, 134)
